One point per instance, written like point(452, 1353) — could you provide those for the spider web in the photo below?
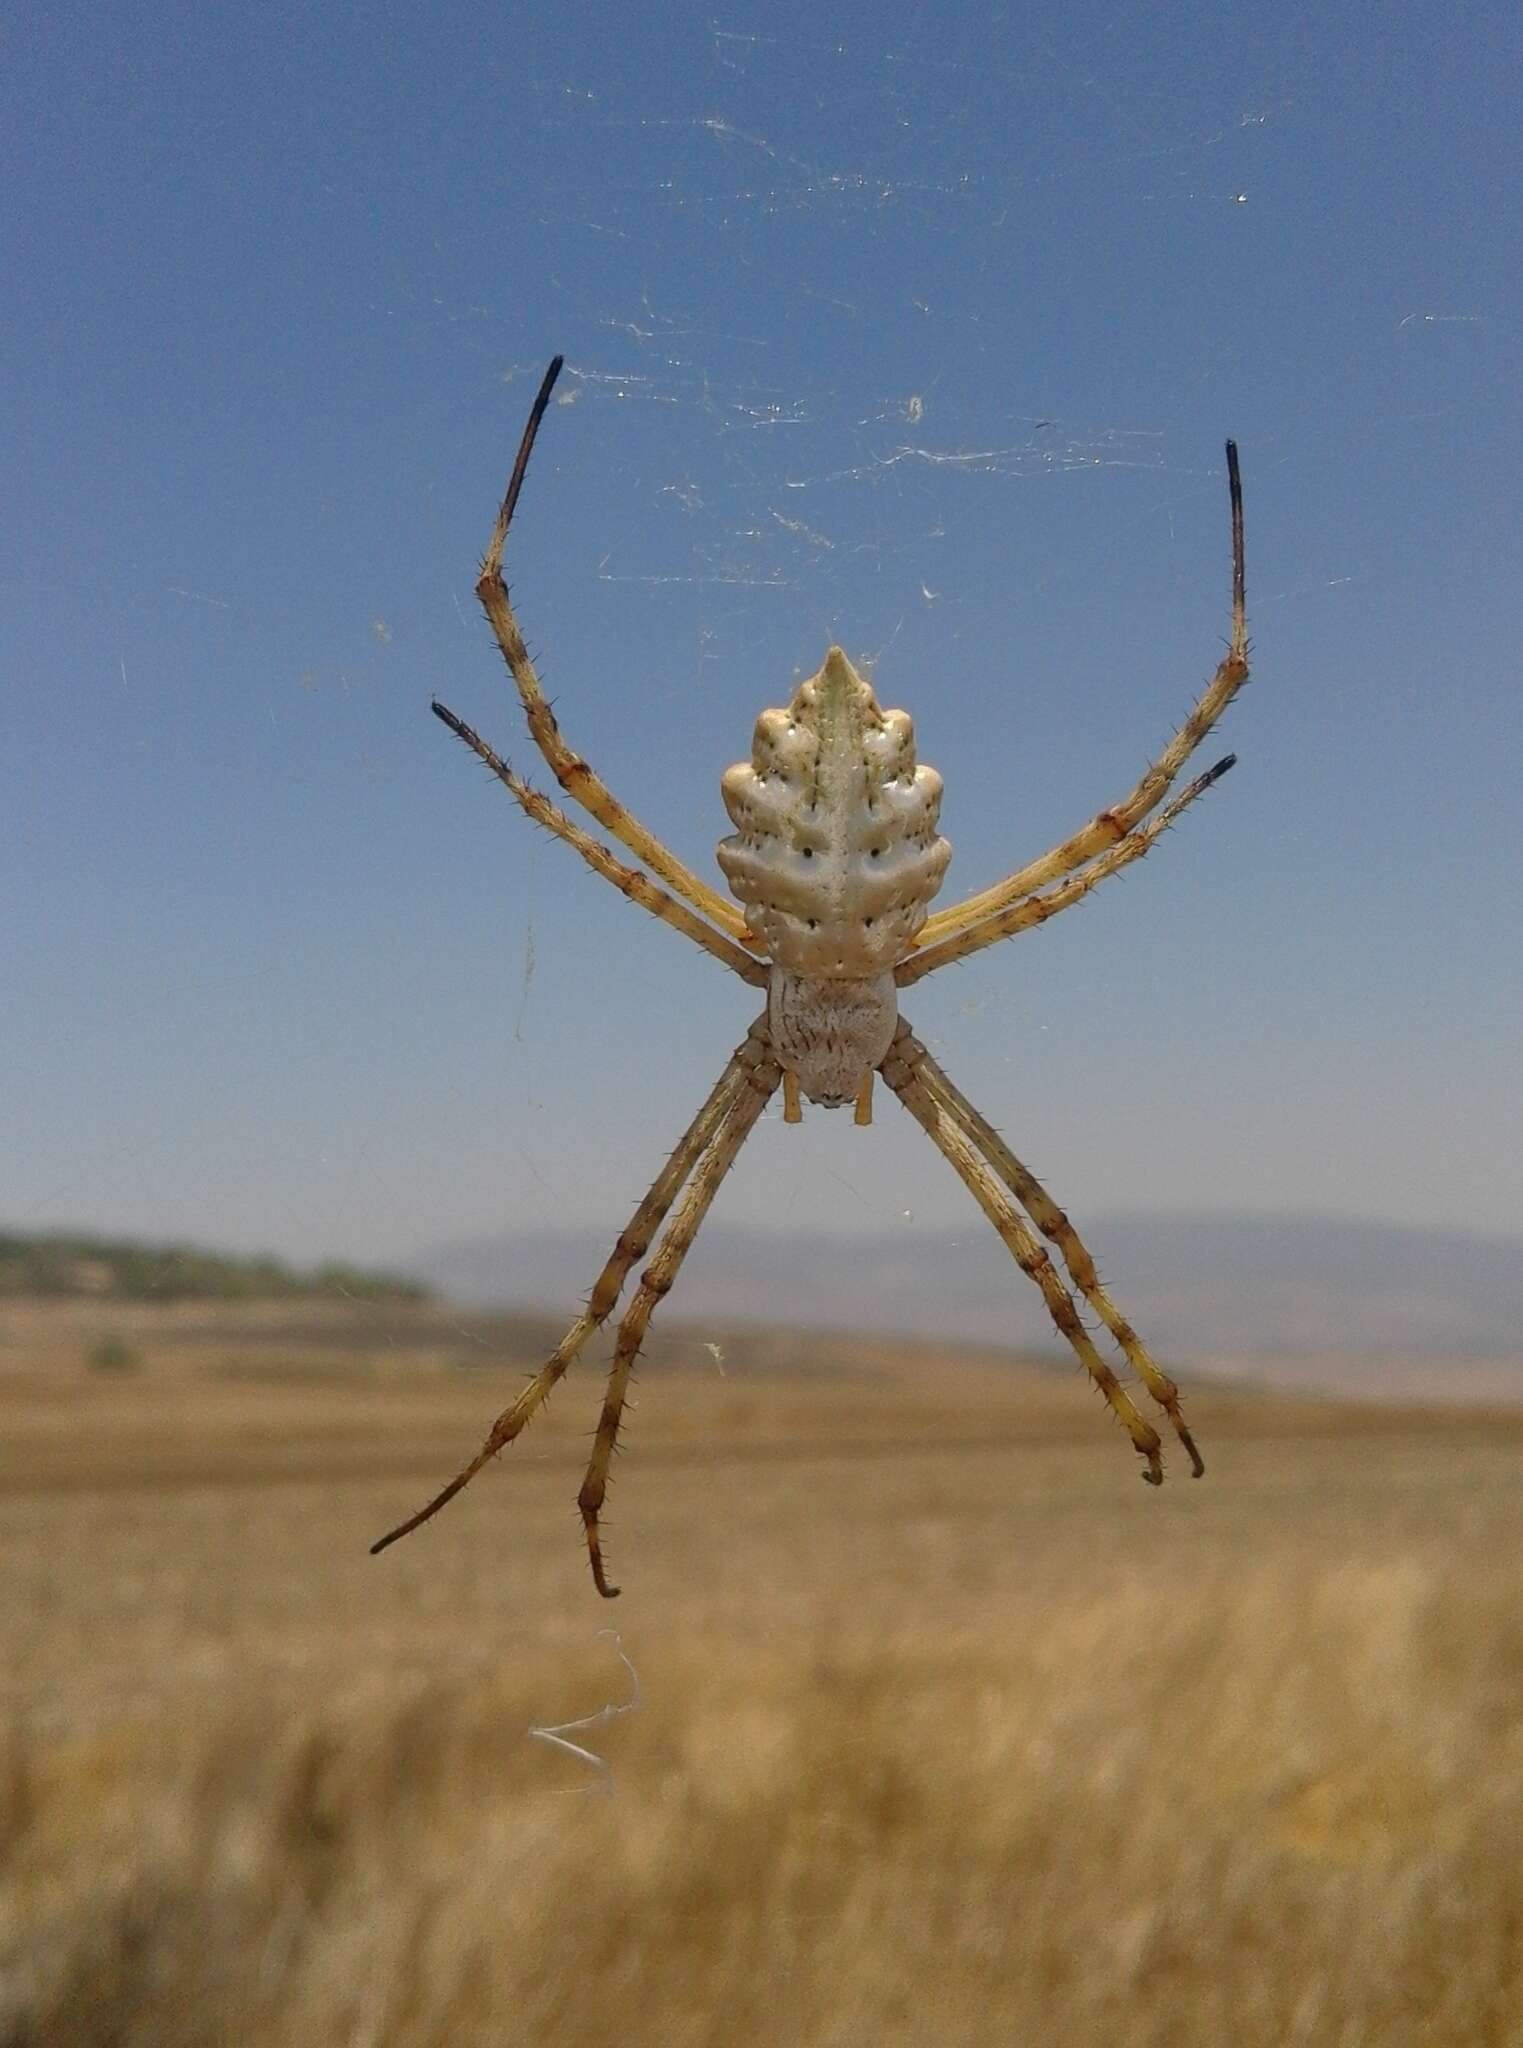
point(765, 483)
point(921, 338)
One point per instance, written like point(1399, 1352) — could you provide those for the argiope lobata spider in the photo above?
point(835, 857)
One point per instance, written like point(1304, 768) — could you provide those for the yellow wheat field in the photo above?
point(942, 1728)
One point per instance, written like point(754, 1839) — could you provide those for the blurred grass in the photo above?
point(947, 1730)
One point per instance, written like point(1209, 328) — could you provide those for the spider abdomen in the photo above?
point(835, 854)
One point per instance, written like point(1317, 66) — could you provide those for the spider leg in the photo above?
point(634, 1242)
point(1054, 1226)
point(637, 886)
point(1114, 824)
point(1034, 910)
point(900, 1070)
point(761, 1077)
point(570, 770)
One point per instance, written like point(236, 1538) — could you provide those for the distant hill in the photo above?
point(57, 1265)
point(1360, 1306)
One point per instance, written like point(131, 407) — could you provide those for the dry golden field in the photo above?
point(942, 1728)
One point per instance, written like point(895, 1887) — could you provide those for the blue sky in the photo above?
point(920, 330)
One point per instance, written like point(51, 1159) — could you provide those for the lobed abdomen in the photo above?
point(835, 854)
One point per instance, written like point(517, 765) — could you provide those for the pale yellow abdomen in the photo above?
point(835, 854)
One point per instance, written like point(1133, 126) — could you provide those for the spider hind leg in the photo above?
point(761, 1077)
point(903, 1070)
point(695, 1145)
point(1056, 1228)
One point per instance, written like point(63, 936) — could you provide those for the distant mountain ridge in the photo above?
point(1229, 1291)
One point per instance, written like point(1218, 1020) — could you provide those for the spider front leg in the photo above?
point(1035, 910)
point(761, 1075)
point(630, 882)
point(1113, 825)
point(900, 1070)
point(573, 773)
point(1056, 1228)
point(634, 1242)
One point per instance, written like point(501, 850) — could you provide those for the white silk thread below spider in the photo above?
point(559, 1736)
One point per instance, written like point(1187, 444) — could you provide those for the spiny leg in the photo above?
point(638, 887)
point(1114, 824)
point(1034, 910)
point(570, 770)
point(634, 1242)
point(761, 1078)
point(1054, 1226)
point(898, 1070)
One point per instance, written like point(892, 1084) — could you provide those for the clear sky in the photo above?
point(917, 328)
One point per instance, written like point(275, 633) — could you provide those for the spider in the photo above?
point(835, 858)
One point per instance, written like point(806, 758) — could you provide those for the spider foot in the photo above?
point(1154, 1473)
point(1166, 1394)
point(600, 1580)
point(1197, 1462)
point(595, 1552)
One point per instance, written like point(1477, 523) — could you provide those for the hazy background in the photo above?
point(923, 334)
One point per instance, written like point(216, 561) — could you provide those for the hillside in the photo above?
point(1299, 1301)
point(66, 1265)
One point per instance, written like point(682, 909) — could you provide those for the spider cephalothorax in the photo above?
point(835, 857)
